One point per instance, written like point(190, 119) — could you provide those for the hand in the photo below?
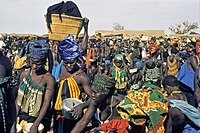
point(77, 111)
point(95, 129)
point(33, 129)
point(85, 20)
point(85, 23)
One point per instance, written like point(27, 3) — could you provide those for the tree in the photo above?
point(184, 28)
point(117, 26)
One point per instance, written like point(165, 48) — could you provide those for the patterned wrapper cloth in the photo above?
point(149, 108)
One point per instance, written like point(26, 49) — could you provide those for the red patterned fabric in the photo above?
point(119, 126)
point(198, 47)
point(152, 48)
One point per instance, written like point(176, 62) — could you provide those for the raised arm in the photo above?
point(85, 38)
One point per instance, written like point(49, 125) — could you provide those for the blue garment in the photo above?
point(190, 111)
point(57, 70)
point(186, 76)
point(38, 49)
point(139, 64)
point(69, 49)
point(182, 53)
point(189, 129)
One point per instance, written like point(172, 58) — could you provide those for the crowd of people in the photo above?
point(125, 85)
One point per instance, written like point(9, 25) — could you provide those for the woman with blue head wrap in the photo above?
point(72, 83)
point(69, 52)
point(36, 87)
point(40, 49)
point(69, 49)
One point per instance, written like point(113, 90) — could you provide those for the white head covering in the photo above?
point(2, 44)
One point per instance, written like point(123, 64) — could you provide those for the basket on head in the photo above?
point(63, 25)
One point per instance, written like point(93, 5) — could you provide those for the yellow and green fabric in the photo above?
point(149, 108)
point(172, 67)
point(30, 96)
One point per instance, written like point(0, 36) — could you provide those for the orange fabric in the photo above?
point(197, 47)
point(119, 126)
point(152, 48)
point(60, 117)
point(93, 53)
point(87, 62)
point(172, 67)
point(20, 62)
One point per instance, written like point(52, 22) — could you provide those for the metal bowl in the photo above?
point(67, 105)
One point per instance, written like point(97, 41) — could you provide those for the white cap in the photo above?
point(2, 44)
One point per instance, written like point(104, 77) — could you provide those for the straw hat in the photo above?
point(193, 39)
point(144, 38)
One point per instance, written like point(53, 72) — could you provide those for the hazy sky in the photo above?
point(27, 16)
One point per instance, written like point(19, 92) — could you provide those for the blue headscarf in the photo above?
point(68, 48)
point(38, 49)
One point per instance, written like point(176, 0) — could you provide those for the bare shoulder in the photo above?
point(192, 59)
point(63, 74)
point(49, 77)
point(24, 74)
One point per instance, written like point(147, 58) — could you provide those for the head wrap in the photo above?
point(38, 49)
point(103, 84)
point(68, 48)
point(198, 47)
point(108, 62)
point(119, 57)
point(152, 48)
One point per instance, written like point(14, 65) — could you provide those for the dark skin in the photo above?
point(119, 64)
point(83, 45)
point(103, 102)
point(6, 71)
point(82, 81)
point(152, 63)
point(192, 62)
point(42, 78)
point(197, 88)
point(174, 113)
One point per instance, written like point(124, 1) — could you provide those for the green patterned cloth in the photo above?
point(149, 108)
point(30, 96)
point(103, 84)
